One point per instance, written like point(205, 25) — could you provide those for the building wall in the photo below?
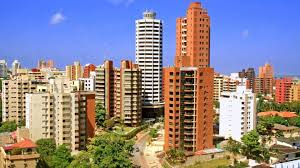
point(18, 161)
point(188, 108)
point(69, 118)
point(119, 90)
point(149, 50)
point(283, 86)
point(13, 98)
point(193, 38)
point(295, 92)
point(88, 69)
point(237, 113)
point(88, 84)
point(131, 92)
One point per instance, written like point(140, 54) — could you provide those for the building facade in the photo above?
point(3, 69)
point(88, 69)
point(264, 83)
point(249, 74)
point(69, 118)
point(119, 91)
point(237, 113)
point(282, 93)
point(149, 50)
point(295, 92)
point(193, 38)
point(188, 108)
point(15, 66)
point(74, 72)
point(13, 98)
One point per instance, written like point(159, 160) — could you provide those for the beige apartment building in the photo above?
point(119, 91)
point(74, 72)
point(218, 86)
point(295, 92)
point(13, 98)
point(69, 118)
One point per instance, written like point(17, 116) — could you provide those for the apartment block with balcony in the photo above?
point(69, 118)
point(74, 72)
point(237, 113)
point(13, 98)
point(119, 91)
point(264, 83)
point(131, 92)
point(282, 91)
point(188, 108)
point(295, 92)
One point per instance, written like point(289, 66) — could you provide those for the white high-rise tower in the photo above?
point(149, 32)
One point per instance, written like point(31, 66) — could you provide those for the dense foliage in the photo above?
point(100, 115)
point(264, 105)
point(107, 150)
point(8, 126)
point(251, 147)
point(175, 156)
point(111, 151)
point(153, 133)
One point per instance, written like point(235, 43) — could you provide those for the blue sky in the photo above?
point(243, 32)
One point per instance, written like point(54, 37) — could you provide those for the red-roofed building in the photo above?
point(283, 114)
point(20, 154)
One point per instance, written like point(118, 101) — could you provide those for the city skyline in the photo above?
point(55, 30)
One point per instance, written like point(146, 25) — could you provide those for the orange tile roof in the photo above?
point(26, 143)
point(284, 114)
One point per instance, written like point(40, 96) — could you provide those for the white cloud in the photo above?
point(245, 33)
point(119, 2)
point(57, 18)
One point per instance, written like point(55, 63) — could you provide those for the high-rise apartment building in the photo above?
point(149, 49)
point(265, 81)
point(74, 72)
point(88, 69)
point(295, 92)
point(249, 74)
point(218, 86)
point(13, 98)
point(15, 66)
point(188, 108)
point(3, 69)
point(237, 113)
point(193, 38)
point(282, 93)
point(45, 64)
point(119, 91)
point(189, 86)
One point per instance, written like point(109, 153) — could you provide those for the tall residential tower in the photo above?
point(149, 32)
point(193, 38)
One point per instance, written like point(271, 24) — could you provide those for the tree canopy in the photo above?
point(100, 115)
point(8, 126)
point(111, 151)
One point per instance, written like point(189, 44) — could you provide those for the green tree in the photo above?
point(109, 124)
point(253, 149)
point(153, 133)
point(8, 126)
point(61, 157)
point(233, 146)
point(216, 104)
point(175, 156)
point(100, 115)
point(111, 151)
point(82, 160)
point(46, 147)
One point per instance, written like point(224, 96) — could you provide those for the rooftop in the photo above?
point(24, 144)
point(284, 114)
